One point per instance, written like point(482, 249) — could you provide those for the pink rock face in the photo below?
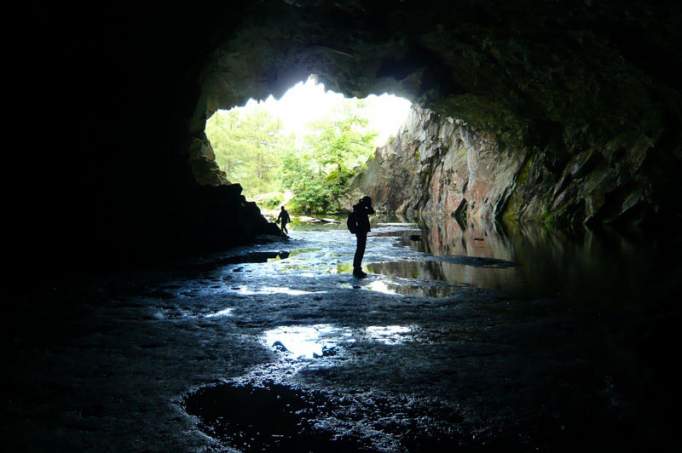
point(436, 165)
point(439, 167)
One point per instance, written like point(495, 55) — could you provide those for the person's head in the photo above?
point(367, 201)
point(282, 208)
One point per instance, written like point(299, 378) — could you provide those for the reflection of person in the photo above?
point(361, 212)
point(284, 218)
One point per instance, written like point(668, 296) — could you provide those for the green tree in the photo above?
point(334, 151)
point(248, 146)
point(252, 149)
point(221, 130)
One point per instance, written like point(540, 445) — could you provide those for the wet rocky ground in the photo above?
point(469, 341)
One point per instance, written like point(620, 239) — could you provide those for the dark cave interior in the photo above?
point(558, 81)
point(574, 109)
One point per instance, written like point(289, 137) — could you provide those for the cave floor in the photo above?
point(282, 350)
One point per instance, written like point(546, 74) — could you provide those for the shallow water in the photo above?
point(471, 340)
point(479, 275)
point(406, 259)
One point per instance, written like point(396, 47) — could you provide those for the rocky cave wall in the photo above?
point(111, 185)
point(444, 167)
point(447, 168)
point(122, 171)
point(565, 117)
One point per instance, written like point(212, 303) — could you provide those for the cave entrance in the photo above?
point(305, 148)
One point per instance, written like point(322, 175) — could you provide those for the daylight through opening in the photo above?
point(304, 149)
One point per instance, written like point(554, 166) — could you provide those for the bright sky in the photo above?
point(309, 101)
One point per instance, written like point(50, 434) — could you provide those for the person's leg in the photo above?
point(284, 228)
point(359, 252)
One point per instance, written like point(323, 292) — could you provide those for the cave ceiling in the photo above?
point(509, 67)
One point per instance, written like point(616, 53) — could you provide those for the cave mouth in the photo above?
point(305, 148)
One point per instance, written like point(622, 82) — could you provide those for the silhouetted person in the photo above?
point(284, 218)
point(361, 212)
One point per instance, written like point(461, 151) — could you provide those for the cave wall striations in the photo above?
point(553, 118)
point(439, 166)
point(586, 95)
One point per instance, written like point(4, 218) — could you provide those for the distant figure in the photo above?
point(284, 218)
point(358, 224)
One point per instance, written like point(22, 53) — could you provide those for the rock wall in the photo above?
point(570, 119)
point(439, 166)
point(119, 170)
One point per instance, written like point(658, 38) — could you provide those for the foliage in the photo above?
point(270, 200)
point(248, 147)
point(252, 149)
point(333, 153)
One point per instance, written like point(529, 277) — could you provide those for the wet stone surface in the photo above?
point(455, 342)
point(299, 420)
point(272, 418)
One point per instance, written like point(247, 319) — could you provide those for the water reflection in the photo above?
point(380, 286)
point(268, 290)
point(221, 313)
point(450, 273)
point(446, 238)
point(389, 334)
point(586, 264)
point(322, 340)
point(302, 251)
point(306, 341)
point(405, 287)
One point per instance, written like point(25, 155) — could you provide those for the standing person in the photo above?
point(284, 219)
point(360, 217)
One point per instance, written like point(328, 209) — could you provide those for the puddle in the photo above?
point(435, 289)
point(307, 341)
point(404, 235)
point(407, 373)
point(266, 290)
point(493, 276)
point(266, 415)
point(381, 286)
point(324, 340)
point(275, 418)
point(390, 335)
point(221, 313)
point(405, 288)
point(282, 418)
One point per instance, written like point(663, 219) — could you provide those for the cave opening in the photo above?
point(305, 149)
point(194, 325)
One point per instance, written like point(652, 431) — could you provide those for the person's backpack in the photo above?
point(352, 223)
